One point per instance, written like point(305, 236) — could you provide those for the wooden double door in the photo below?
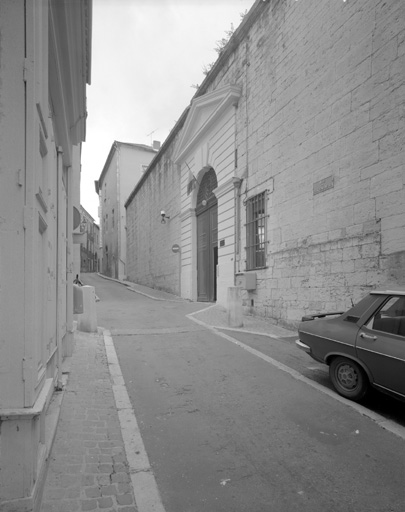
point(207, 252)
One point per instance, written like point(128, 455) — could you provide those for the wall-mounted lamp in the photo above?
point(164, 217)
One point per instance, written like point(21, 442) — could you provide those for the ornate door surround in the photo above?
point(207, 238)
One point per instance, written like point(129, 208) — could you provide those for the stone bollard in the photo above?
point(87, 321)
point(235, 311)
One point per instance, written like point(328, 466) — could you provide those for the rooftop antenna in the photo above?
point(150, 135)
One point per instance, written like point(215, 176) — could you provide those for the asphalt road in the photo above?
point(227, 431)
point(285, 351)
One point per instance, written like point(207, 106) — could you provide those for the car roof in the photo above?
point(388, 292)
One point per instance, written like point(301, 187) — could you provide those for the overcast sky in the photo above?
point(146, 56)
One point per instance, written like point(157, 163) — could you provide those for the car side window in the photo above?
point(390, 317)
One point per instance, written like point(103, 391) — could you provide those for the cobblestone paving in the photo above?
point(88, 468)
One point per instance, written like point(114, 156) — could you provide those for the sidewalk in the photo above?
point(217, 316)
point(88, 467)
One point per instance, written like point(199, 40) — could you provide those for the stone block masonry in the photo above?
point(334, 146)
point(319, 125)
point(150, 260)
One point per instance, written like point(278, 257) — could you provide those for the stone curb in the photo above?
point(143, 480)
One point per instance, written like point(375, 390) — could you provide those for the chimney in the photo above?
point(156, 145)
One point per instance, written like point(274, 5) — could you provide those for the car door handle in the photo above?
point(366, 336)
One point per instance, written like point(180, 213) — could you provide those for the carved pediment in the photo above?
point(205, 111)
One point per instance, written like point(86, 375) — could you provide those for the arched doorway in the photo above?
point(207, 238)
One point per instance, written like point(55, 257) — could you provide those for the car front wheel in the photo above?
point(348, 378)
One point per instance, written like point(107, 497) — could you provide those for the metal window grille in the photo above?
point(256, 232)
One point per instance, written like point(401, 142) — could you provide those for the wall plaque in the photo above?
point(323, 185)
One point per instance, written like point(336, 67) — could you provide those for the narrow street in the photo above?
point(227, 431)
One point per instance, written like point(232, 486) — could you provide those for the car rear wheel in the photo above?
point(348, 378)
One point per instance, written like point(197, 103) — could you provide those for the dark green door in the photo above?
point(207, 254)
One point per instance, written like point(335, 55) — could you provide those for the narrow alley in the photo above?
point(226, 430)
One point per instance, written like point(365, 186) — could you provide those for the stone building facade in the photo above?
point(294, 145)
point(89, 245)
point(45, 61)
point(125, 164)
point(150, 260)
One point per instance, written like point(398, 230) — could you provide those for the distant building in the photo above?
point(285, 175)
point(125, 165)
point(89, 245)
point(45, 49)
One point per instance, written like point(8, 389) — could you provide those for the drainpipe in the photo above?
point(117, 213)
point(237, 184)
point(68, 348)
point(59, 170)
point(180, 271)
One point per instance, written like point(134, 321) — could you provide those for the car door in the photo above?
point(380, 345)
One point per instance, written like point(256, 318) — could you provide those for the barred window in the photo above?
point(256, 232)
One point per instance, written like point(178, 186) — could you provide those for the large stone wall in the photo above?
point(320, 126)
point(150, 259)
point(325, 131)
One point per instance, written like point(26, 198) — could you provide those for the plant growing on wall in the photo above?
point(220, 46)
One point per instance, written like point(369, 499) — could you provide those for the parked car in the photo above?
point(363, 347)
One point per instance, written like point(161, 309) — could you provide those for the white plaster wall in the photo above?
point(226, 234)
point(35, 227)
point(11, 207)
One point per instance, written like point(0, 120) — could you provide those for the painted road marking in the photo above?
point(146, 492)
